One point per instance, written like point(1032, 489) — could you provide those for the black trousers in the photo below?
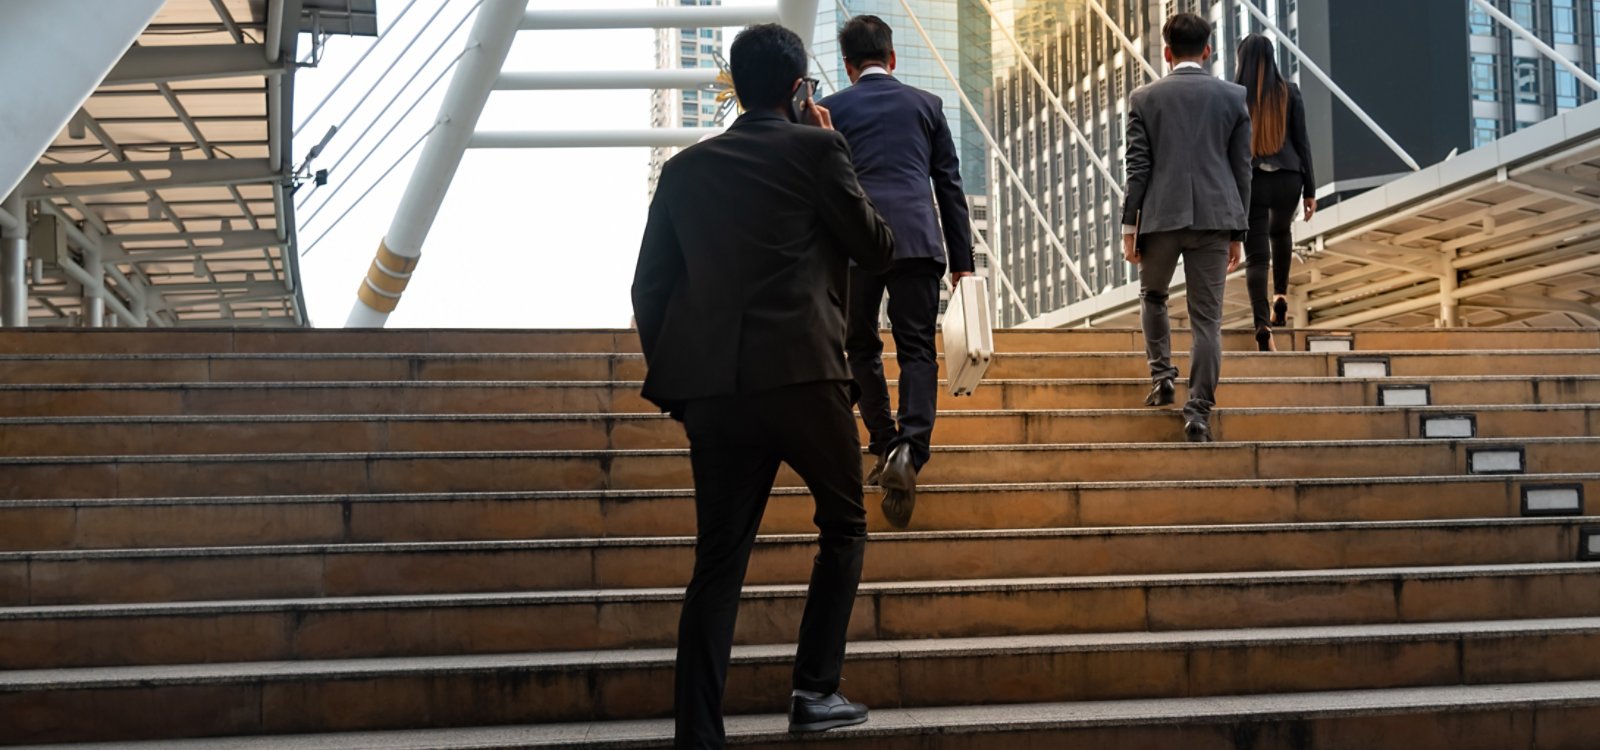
point(913, 288)
point(1274, 201)
point(735, 446)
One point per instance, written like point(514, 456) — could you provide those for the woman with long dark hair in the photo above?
point(1282, 179)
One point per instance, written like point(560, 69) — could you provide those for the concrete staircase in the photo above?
point(478, 540)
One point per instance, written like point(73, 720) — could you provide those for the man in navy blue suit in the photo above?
point(905, 158)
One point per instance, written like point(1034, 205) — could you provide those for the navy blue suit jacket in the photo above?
point(905, 158)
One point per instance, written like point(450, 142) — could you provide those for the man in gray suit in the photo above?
point(1188, 190)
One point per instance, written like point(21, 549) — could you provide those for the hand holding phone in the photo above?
point(801, 107)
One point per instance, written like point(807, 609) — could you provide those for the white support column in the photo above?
point(799, 16)
point(687, 17)
point(94, 295)
point(13, 264)
point(1449, 282)
point(1327, 80)
point(475, 75)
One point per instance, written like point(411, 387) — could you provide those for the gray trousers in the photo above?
point(1205, 265)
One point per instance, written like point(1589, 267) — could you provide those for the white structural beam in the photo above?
point(649, 138)
point(590, 80)
point(193, 62)
point(682, 17)
point(476, 71)
point(198, 173)
point(1311, 65)
point(55, 54)
point(800, 16)
point(1128, 47)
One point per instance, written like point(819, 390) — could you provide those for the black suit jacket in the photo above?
point(906, 157)
point(1188, 155)
point(1295, 156)
point(740, 286)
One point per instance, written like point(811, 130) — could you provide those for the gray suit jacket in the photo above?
point(1188, 156)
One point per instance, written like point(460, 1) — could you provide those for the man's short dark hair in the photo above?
point(866, 39)
point(1187, 35)
point(766, 60)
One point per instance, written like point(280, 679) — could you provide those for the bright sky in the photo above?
point(525, 238)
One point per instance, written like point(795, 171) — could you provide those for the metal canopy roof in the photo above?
point(1510, 232)
point(178, 162)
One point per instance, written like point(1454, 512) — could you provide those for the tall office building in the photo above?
point(962, 39)
point(1512, 85)
point(682, 48)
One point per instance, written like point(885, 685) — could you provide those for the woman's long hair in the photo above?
point(1268, 95)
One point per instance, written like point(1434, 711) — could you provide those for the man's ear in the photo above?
point(893, 60)
point(1166, 54)
point(1207, 56)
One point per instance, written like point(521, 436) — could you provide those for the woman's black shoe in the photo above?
point(1280, 313)
point(1264, 340)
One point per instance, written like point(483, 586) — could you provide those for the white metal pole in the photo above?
point(1127, 44)
point(799, 16)
point(686, 17)
point(1327, 80)
point(1061, 109)
point(1011, 172)
point(1538, 44)
point(476, 72)
point(13, 263)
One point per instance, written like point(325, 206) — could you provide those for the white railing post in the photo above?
point(13, 263)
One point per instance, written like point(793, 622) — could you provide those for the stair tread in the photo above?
point(649, 416)
point(620, 494)
point(937, 449)
point(803, 539)
point(1340, 575)
point(942, 720)
point(148, 676)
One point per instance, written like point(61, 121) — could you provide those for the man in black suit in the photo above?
point(1188, 167)
point(906, 158)
point(739, 296)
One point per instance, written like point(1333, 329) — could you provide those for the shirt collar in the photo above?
point(874, 70)
point(1190, 64)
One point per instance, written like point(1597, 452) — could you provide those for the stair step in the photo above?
point(41, 341)
point(417, 366)
point(548, 397)
point(260, 572)
point(390, 472)
point(1550, 716)
point(367, 694)
point(458, 516)
point(423, 625)
point(223, 434)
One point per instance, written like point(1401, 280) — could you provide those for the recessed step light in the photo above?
point(1405, 395)
point(1552, 499)
point(1589, 537)
point(1332, 344)
point(1495, 460)
point(1363, 367)
point(1449, 426)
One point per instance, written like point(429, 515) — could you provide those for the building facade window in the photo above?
point(1564, 21)
point(1522, 13)
point(1526, 72)
point(1566, 89)
point(1478, 20)
point(1485, 86)
point(1484, 131)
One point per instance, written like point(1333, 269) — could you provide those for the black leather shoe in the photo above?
point(1197, 431)
point(1280, 313)
point(899, 482)
point(877, 471)
point(827, 712)
point(1160, 394)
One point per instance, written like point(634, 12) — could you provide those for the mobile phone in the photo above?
point(802, 94)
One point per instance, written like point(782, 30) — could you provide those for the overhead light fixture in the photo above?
point(76, 129)
point(153, 207)
point(199, 267)
point(175, 154)
point(227, 225)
